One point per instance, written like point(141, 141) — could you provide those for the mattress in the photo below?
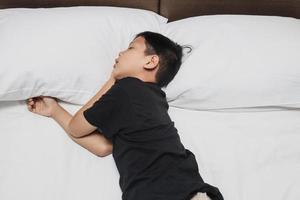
point(247, 154)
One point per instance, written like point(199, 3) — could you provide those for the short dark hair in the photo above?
point(169, 53)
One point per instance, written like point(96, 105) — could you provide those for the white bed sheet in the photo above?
point(247, 155)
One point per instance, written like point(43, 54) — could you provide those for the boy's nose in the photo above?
point(121, 52)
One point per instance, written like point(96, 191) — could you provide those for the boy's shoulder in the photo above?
point(127, 85)
point(133, 81)
point(129, 79)
point(130, 83)
point(135, 87)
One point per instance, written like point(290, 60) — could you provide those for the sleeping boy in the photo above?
point(129, 118)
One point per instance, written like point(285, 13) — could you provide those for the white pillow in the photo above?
point(65, 52)
point(237, 61)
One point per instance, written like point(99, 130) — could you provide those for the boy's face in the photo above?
point(133, 61)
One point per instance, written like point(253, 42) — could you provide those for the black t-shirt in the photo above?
point(152, 162)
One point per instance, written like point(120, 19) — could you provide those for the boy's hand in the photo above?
point(42, 105)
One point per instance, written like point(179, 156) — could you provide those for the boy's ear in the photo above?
point(152, 62)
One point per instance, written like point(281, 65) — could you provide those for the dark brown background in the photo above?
point(177, 9)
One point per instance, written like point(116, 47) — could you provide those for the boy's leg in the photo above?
point(200, 196)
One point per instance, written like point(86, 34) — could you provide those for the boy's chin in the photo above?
point(118, 77)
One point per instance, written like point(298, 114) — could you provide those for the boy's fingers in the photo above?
point(29, 100)
point(29, 108)
point(31, 105)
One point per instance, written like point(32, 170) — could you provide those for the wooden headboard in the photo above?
point(177, 9)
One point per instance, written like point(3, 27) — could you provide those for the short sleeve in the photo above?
point(110, 114)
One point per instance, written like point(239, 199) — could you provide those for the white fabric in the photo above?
point(237, 61)
point(200, 196)
point(66, 53)
point(247, 155)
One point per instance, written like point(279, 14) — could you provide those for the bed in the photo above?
point(244, 133)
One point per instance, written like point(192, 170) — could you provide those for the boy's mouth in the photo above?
point(116, 61)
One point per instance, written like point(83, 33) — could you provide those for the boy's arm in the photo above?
point(95, 142)
point(80, 131)
point(78, 125)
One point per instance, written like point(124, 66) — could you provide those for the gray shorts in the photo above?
point(200, 196)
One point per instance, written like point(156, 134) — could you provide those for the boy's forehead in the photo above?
point(139, 41)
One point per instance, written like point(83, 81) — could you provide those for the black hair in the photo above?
point(169, 53)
